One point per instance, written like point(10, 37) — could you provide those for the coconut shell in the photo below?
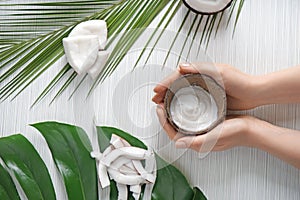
point(203, 12)
point(208, 84)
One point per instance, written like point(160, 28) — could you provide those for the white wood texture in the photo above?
point(266, 39)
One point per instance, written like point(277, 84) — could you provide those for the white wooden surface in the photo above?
point(266, 39)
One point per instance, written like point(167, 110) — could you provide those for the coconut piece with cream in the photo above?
point(207, 6)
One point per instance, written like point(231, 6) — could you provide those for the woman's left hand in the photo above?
point(234, 131)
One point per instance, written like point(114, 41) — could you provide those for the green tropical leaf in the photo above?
point(32, 31)
point(3, 193)
point(24, 162)
point(198, 194)
point(7, 187)
point(71, 149)
point(170, 182)
point(25, 54)
point(104, 134)
point(45, 17)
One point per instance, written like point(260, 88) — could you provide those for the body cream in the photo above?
point(195, 104)
point(193, 109)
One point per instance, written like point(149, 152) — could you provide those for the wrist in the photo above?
point(260, 90)
point(247, 129)
point(255, 132)
point(259, 133)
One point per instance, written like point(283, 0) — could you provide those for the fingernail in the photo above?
point(153, 99)
point(180, 145)
point(159, 107)
point(183, 65)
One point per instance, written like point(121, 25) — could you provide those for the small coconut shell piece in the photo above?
point(207, 7)
point(208, 84)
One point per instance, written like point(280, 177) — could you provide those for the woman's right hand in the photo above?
point(240, 87)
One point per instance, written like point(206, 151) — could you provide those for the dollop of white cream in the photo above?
point(193, 109)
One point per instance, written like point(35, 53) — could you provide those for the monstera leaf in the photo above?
point(7, 188)
point(70, 148)
point(26, 165)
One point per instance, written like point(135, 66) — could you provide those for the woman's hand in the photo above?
point(234, 131)
point(243, 92)
point(240, 87)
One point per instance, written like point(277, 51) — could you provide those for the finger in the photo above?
point(157, 99)
point(166, 82)
point(172, 133)
point(192, 142)
point(203, 68)
point(201, 143)
point(186, 68)
point(210, 69)
point(163, 86)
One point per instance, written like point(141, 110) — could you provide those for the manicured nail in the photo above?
point(183, 65)
point(180, 145)
point(159, 107)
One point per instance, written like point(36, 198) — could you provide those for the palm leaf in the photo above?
point(31, 32)
point(26, 58)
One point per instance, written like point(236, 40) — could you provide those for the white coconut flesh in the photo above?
point(81, 52)
point(83, 47)
point(207, 6)
point(92, 27)
point(122, 163)
point(98, 66)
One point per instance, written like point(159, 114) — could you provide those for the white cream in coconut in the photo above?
point(207, 6)
point(193, 109)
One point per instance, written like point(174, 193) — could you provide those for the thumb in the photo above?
point(186, 68)
point(209, 69)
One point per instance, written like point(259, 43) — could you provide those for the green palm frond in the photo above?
point(29, 20)
point(31, 35)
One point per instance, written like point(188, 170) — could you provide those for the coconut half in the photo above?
point(81, 52)
point(92, 27)
point(207, 7)
point(204, 82)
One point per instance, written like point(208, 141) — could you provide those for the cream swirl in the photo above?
point(193, 109)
